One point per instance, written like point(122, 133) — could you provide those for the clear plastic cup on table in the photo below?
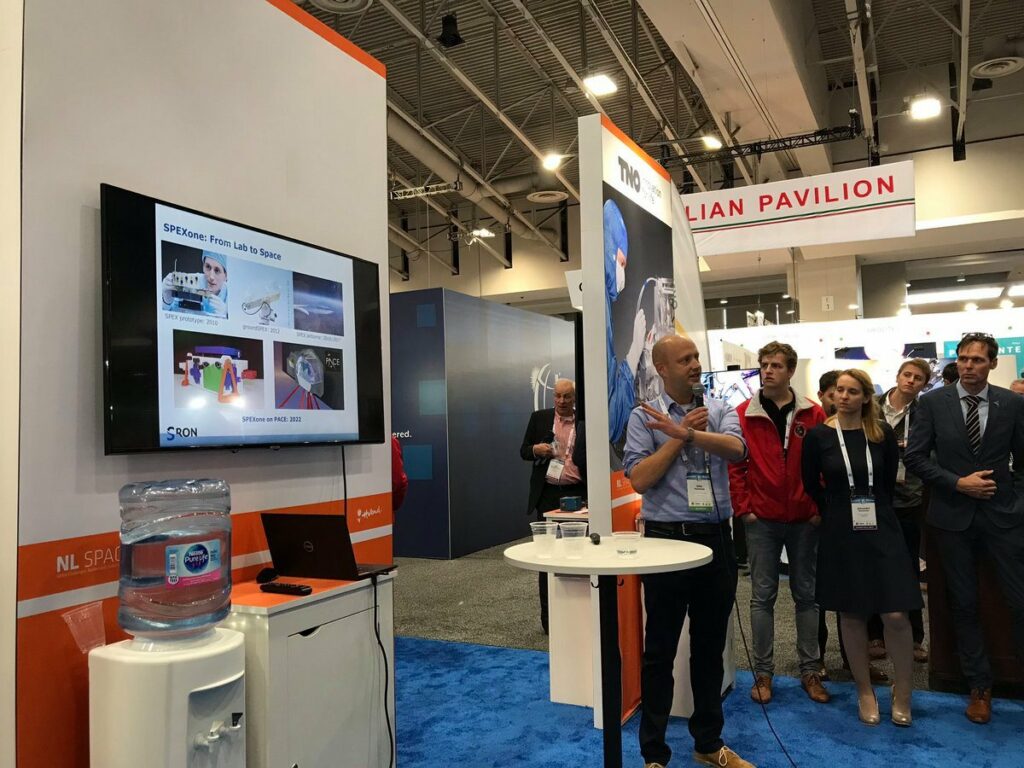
point(574, 539)
point(627, 544)
point(544, 537)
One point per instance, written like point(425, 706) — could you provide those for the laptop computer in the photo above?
point(315, 547)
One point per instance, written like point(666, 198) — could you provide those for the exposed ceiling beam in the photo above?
point(857, 18)
point(404, 241)
point(499, 199)
point(664, 124)
point(530, 59)
point(447, 215)
point(965, 45)
point(471, 87)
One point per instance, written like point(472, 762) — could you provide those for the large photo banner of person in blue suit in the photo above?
point(640, 300)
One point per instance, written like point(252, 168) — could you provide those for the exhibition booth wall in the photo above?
point(877, 345)
point(466, 375)
point(182, 102)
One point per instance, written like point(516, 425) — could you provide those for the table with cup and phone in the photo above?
point(566, 548)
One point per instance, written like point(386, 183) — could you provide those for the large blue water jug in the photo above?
point(175, 557)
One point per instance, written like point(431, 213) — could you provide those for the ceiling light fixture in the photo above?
point(723, 301)
point(450, 36)
point(711, 142)
point(853, 306)
point(903, 312)
point(970, 306)
point(551, 161)
point(482, 232)
point(790, 311)
point(600, 85)
point(960, 278)
point(1006, 304)
point(907, 285)
point(785, 295)
point(925, 107)
point(956, 294)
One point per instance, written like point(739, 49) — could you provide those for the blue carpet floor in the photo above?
point(475, 706)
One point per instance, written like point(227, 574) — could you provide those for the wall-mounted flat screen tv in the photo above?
point(222, 335)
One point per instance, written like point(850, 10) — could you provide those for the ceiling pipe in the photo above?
point(406, 243)
point(431, 153)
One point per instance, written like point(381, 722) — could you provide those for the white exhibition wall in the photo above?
point(10, 266)
point(884, 341)
point(252, 111)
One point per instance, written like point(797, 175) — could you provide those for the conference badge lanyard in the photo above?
point(901, 469)
point(699, 497)
point(862, 506)
point(557, 465)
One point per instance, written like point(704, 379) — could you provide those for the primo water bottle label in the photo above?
point(193, 563)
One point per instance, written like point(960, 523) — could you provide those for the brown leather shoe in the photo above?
point(878, 676)
point(762, 690)
point(920, 653)
point(980, 709)
point(723, 758)
point(815, 690)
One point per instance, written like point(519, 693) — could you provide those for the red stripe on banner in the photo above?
point(621, 136)
point(315, 25)
point(863, 209)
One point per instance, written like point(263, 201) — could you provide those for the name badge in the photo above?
point(863, 510)
point(698, 492)
point(555, 469)
point(901, 473)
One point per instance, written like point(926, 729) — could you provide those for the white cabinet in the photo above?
point(316, 674)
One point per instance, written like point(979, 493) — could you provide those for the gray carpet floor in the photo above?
point(481, 599)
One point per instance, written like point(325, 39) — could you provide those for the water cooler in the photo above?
point(173, 696)
point(169, 703)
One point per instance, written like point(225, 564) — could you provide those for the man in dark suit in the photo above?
point(977, 503)
point(556, 444)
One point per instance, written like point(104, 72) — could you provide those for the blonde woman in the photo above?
point(849, 469)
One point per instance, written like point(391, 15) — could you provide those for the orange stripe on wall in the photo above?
point(621, 485)
point(621, 136)
point(85, 561)
point(315, 25)
point(53, 676)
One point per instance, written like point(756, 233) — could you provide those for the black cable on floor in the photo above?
point(387, 675)
point(739, 619)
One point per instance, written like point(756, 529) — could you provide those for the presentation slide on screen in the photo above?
point(255, 336)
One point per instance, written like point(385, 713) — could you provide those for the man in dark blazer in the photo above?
point(556, 444)
point(977, 503)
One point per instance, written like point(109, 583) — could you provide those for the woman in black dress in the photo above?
point(863, 565)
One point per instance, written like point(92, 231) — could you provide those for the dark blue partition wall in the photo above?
point(495, 355)
point(419, 420)
point(466, 375)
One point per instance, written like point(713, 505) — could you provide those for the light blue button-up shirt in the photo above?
point(982, 405)
point(666, 500)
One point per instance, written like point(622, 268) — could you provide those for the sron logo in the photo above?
point(173, 432)
point(196, 558)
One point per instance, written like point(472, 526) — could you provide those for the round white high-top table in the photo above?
point(601, 560)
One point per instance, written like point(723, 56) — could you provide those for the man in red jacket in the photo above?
point(769, 501)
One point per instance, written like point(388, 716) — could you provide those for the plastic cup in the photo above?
point(627, 544)
point(544, 538)
point(86, 625)
point(574, 539)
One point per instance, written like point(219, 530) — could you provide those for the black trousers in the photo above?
point(960, 550)
point(706, 595)
point(912, 537)
point(549, 500)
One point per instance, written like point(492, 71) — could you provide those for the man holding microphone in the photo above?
point(676, 456)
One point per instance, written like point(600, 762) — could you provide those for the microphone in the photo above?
point(698, 394)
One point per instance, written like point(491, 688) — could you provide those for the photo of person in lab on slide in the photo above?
point(639, 305)
point(195, 281)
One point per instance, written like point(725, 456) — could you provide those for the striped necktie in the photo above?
point(973, 422)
